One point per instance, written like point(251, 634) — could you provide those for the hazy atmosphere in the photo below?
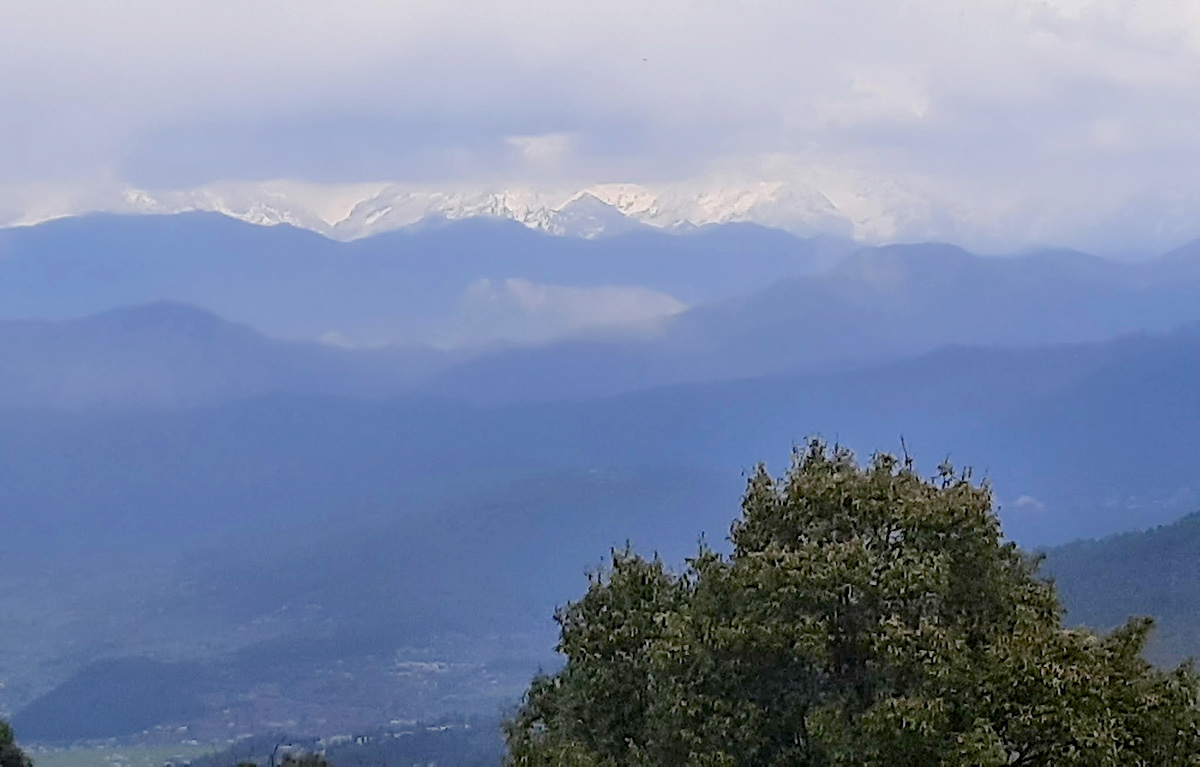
point(996, 125)
point(605, 384)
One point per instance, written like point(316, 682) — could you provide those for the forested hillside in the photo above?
point(1154, 573)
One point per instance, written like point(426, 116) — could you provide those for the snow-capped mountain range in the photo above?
point(352, 211)
point(865, 208)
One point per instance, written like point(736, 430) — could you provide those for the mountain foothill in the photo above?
point(250, 472)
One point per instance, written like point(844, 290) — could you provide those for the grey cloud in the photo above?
point(520, 311)
point(1084, 96)
point(346, 143)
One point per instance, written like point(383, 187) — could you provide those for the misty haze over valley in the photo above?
point(227, 511)
point(343, 349)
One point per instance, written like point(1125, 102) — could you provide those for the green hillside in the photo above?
point(1155, 573)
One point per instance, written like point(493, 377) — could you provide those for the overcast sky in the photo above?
point(1051, 108)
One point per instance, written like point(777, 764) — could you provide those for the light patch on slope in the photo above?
point(524, 312)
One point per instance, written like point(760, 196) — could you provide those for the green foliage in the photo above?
point(11, 754)
point(866, 616)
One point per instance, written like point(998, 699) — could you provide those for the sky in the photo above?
point(1010, 121)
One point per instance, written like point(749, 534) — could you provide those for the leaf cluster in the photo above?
point(866, 616)
point(11, 754)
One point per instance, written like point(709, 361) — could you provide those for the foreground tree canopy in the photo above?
point(866, 616)
point(11, 754)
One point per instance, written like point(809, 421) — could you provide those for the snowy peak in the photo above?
point(806, 201)
point(606, 209)
point(352, 211)
point(586, 215)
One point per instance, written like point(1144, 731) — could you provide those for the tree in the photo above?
point(866, 616)
point(11, 754)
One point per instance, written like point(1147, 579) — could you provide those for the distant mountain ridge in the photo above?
point(870, 209)
point(1042, 422)
point(282, 525)
point(1154, 572)
point(877, 303)
point(411, 286)
point(530, 317)
point(167, 354)
point(328, 521)
point(351, 211)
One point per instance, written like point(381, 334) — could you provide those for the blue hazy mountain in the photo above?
point(878, 303)
point(873, 305)
point(400, 285)
point(251, 513)
point(1154, 572)
point(172, 355)
point(1041, 422)
point(296, 518)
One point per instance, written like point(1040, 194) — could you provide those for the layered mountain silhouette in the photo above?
point(405, 286)
point(173, 355)
point(311, 524)
point(878, 303)
point(874, 304)
point(186, 476)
